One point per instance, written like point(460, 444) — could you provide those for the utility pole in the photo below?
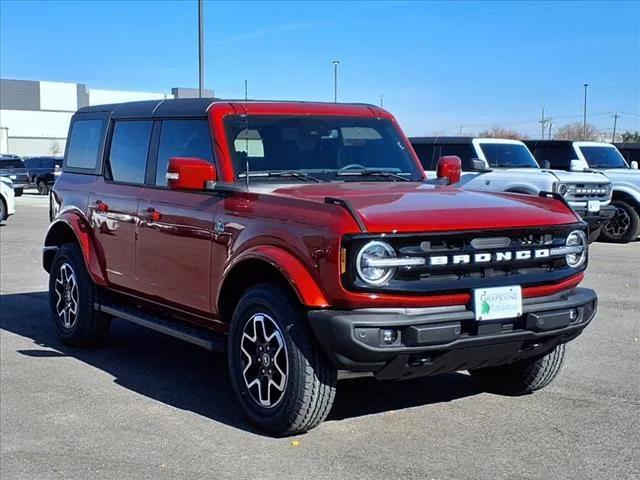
point(542, 122)
point(200, 49)
point(460, 132)
point(584, 120)
point(550, 125)
point(615, 123)
point(335, 80)
point(381, 97)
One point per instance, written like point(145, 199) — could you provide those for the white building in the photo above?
point(35, 115)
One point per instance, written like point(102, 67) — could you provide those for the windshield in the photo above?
point(320, 148)
point(603, 157)
point(11, 163)
point(508, 155)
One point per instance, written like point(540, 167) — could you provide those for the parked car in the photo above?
point(43, 172)
point(7, 199)
point(630, 152)
point(503, 165)
point(306, 240)
point(12, 167)
point(602, 157)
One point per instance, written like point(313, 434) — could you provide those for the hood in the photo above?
point(417, 207)
point(624, 175)
point(579, 177)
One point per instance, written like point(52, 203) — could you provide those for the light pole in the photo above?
point(550, 125)
point(200, 49)
point(615, 124)
point(542, 122)
point(335, 80)
point(381, 97)
point(584, 119)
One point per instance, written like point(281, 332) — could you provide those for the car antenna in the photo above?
point(246, 134)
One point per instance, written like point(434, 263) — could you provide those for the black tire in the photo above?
point(525, 376)
point(18, 192)
point(310, 383)
point(595, 234)
point(623, 227)
point(42, 188)
point(87, 327)
point(3, 210)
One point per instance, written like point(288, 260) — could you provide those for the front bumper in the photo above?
point(444, 339)
point(596, 219)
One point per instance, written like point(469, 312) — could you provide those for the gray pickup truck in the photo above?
point(503, 165)
point(604, 158)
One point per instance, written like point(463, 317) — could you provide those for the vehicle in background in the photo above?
point(604, 158)
point(7, 198)
point(503, 165)
point(12, 167)
point(630, 152)
point(43, 172)
point(304, 239)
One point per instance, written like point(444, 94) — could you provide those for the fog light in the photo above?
point(388, 336)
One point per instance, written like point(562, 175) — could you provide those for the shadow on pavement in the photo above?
point(187, 377)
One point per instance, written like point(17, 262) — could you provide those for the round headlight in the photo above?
point(578, 243)
point(367, 270)
point(563, 189)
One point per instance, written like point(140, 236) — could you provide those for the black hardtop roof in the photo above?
point(441, 140)
point(548, 143)
point(628, 146)
point(175, 107)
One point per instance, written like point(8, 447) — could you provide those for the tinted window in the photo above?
point(425, 154)
point(559, 157)
point(318, 145)
point(129, 149)
point(465, 151)
point(84, 144)
point(182, 138)
point(603, 157)
point(508, 155)
point(11, 163)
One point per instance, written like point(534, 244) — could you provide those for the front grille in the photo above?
point(473, 259)
point(583, 192)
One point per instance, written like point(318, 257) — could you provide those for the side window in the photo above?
point(249, 144)
point(129, 150)
point(425, 154)
point(84, 144)
point(559, 157)
point(182, 138)
point(464, 151)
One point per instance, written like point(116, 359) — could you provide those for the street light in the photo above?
point(335, 80)
point(200, 49)
point(584, 120)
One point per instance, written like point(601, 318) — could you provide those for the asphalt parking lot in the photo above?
point(149, 406)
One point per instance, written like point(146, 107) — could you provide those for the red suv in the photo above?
point(305, 239)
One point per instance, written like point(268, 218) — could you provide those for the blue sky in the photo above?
point(438, 65)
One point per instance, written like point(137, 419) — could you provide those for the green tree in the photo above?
point(631, 137)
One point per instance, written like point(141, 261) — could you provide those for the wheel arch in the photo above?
point(70, 228)
point(261, 265)
point(623, 194)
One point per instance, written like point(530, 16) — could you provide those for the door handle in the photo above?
point(153, 214)
point(101, 206)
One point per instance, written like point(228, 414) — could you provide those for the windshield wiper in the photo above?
point(291, 174)
point(374, 173)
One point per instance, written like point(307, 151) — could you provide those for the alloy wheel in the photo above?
point(66, 289)
point(265, 366)
point(619, 224)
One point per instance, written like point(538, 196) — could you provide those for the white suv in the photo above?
point(503, 165)
point(7, 198)
point(603, 158)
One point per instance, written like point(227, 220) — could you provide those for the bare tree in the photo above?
point(54, 147)
point(574, 131)
point(631, 137)
point(499, 132)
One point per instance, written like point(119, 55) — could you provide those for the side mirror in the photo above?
point(479, 165)
point(546, 164)
point(185, 173)
point(449, 167)
point(576, 166)
point(634, 165)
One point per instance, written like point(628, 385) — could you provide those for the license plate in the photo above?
point(498, 302)
point(12, 177)
point(593, 205)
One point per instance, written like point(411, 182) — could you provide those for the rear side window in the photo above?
point(425, 154)
point(84, 144)
point(464, 151)
point(182, 138)
point(129, 150)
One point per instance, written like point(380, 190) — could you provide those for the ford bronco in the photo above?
point(603, 158)
point(504, 165)
point(305, 240)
